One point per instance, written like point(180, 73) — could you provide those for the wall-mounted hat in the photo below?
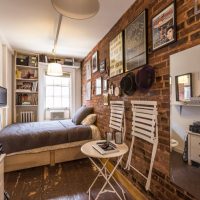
point(128, 85)
point(145, 78)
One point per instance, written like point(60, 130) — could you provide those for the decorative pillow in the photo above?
point(89, 120)
point(81, 114)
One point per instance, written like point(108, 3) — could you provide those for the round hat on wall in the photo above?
point(128, 84)
point(145, 78)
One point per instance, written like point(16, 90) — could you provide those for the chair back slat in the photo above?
point(144, 119)
point(116, 115)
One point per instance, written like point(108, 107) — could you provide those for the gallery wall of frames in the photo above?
point(136, 52)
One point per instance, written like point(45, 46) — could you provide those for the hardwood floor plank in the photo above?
point(66, 181)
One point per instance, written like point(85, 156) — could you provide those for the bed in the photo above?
point(41, 143)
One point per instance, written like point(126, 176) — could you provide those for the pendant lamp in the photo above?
point(54, 69)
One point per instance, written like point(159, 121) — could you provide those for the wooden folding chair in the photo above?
point(145, 127)
point(117, 117)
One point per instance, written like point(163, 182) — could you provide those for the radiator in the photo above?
point(26, 116)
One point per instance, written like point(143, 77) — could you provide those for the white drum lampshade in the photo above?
point(76, 9)
point(54, 69)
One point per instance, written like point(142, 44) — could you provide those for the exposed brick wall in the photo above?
point(188, 35)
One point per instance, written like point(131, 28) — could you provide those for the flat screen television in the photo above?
point(3, 96)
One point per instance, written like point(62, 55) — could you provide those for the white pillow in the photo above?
point(89, 120)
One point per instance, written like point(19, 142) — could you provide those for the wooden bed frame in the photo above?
point(44, 157)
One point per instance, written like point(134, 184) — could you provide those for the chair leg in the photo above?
point(130, 154)
point(153, 155)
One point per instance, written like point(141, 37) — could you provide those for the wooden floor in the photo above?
point(66, 181)
point(184, 175)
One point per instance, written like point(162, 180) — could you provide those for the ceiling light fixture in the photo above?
point(77, 9)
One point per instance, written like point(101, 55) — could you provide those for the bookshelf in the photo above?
point(25, 86)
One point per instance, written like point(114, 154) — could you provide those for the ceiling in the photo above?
point(31, 25)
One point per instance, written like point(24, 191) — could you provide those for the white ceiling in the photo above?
point(31, 25)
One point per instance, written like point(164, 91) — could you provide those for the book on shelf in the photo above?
point(34, 86)
point(105, 147)
point(26, 103)
point(23, 90)
point(27, 99)
point(27, 87)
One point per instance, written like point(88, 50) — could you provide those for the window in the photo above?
point(58, 90)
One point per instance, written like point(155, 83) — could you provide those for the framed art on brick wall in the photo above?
point(105, 85)
point(164, 27)
point(98, 86)
point(136, 42)
point(88, 70)
point(102, 67)
point(88, 91)
point(95, 62)
point(116, 55)
point(197, 7)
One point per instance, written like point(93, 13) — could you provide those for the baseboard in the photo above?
point(133, 191)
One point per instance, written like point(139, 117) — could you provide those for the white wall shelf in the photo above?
point(26, 105)
point(24, 79)
point(182, 104)
point(26, 92)
point(26, 67)
point(65, 66)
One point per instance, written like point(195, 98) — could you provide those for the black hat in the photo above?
point(145, 78)
point(128, 85)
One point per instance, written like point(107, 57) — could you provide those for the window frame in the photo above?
point(69, 96)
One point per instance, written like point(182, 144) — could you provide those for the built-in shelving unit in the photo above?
point(26, 87)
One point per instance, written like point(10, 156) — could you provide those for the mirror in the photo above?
point(184, 120)
point(183, 87)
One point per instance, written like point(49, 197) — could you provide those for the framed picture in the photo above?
point(164, 27)
point(111, 89)
point(88, 70)
point(102, 66)
point(95, 62)
point(88, 91)
point(116, 55)
point(105, 99)
point(98, 86)
point(136, 42)
point(105, 85)
point(196, 7)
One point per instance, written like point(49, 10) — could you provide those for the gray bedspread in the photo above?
point(26, 136)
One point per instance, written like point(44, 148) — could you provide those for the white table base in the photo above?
point(107, 176)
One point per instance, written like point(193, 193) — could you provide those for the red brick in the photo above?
point(188, 36)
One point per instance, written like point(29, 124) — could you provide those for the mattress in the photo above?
point(21, 137)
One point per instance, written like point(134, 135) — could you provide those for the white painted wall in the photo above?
point(6, 81)
point(77, 90)
point(187, 61)
point(75, 93)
